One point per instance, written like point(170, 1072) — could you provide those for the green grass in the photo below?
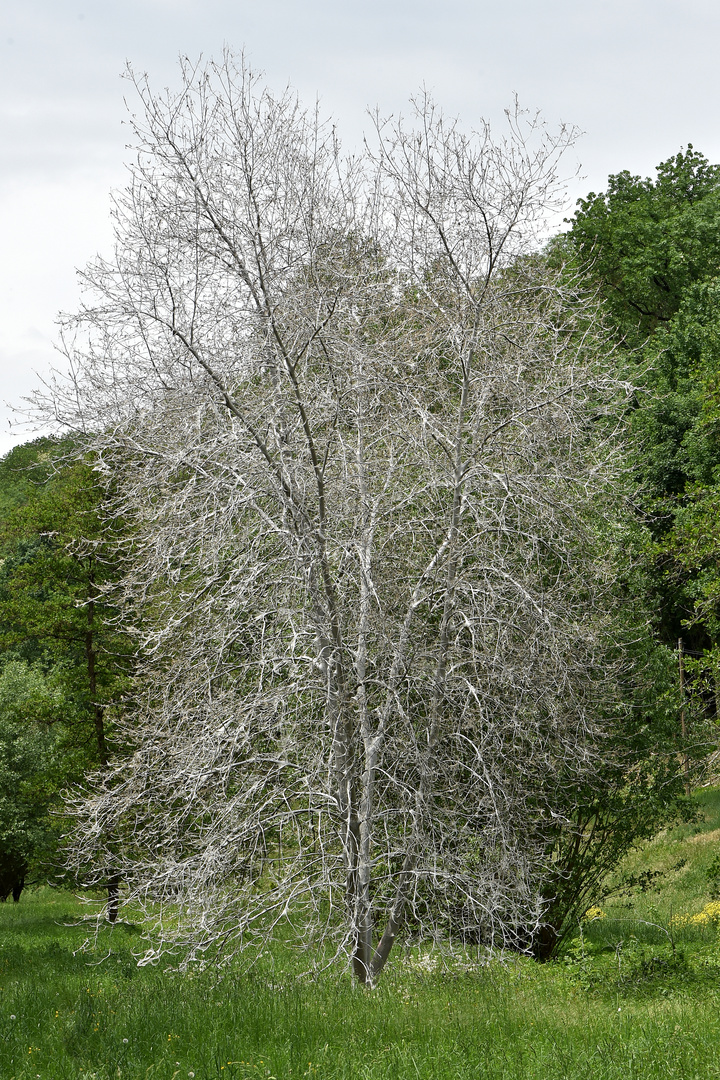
point(631, 997)
point(680, 857)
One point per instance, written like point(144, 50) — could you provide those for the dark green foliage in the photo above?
point(28, 762)
point(61, 665)
point(694, 541)
point(647, 241)
point(13, 871)
point(652, 248)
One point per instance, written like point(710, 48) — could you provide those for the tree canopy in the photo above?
point(653, 248)
point(648, 241)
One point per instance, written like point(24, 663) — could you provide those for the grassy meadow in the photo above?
point(636, 993)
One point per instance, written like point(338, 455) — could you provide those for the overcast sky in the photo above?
point(639, 77)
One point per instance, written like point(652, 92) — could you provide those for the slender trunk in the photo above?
point(371, 739)
point(90, 657)
point(397, 913)
point(113, 886)
point(683, 726)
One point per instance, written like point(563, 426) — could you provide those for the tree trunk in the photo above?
point(113, 885)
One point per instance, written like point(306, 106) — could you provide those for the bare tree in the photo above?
point(364, 443)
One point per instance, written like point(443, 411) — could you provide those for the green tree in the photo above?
point(652, 248)
point(694, 539)
point(28, 769)
point(647, 241)
point(53, 616)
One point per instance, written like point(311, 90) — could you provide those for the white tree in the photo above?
point(362, 443)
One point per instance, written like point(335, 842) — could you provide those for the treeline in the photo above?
point(650, 249)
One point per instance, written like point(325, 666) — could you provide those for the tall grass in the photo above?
point(631, 997)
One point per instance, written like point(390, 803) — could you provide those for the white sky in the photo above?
point(639, 77)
